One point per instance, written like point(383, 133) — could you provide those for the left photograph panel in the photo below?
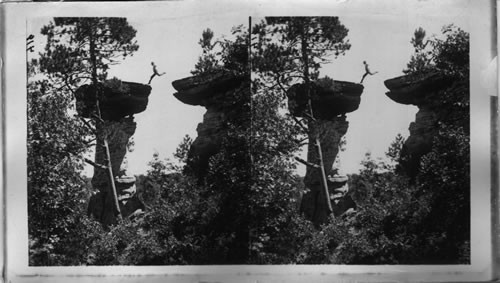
point(137, 141)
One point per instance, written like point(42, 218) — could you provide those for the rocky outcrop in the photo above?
point(130, 204)
point(330, 101)
point(416, 89)
point(206, 89)
point(119, 99)
point(119, 102)
point(118, 134)
point(421, 90)
point(217, 92)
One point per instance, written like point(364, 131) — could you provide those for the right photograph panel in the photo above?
point(360, 140)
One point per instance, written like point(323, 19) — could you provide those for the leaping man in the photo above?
point(155, 73)
point(367, 72)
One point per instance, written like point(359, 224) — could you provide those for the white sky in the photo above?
point(382, 39)
point(384, 42)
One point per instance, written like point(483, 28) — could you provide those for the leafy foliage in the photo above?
point(427, 220)
point(445, 171)
point(449, 56)
point(58, 139)
point(244, 210)
point(288, 50)
point(78, 47)
point(223, 54)
point(280, 46)
point(56, 191)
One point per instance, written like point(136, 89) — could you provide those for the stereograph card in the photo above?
point(250, 141)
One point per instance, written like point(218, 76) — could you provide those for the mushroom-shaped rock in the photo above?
point(119, 99)
point(416, 88)
point(202, 89)
point(328, 99)
point(223, 94)
point(421, 90)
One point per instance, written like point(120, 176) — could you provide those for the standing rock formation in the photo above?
point(217, 92)
point(330, 101)
point(421, 90)
point(119, 102)
point(119, 99)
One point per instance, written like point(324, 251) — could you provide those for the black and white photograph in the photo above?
point(249, 142)
point(380, 201)
point(160, 195)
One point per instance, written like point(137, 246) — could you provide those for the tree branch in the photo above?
point(307, 163)
point(97, 118)
point(300, 124)
point(88, 125)
point(310, 117)
point(68, 85)
point(278, 78)
point(100, 166)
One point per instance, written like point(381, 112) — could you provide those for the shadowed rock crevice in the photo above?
point(330, 101)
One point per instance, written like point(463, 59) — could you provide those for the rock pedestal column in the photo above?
point(331, 132)
point(118, 134)
point(216, 92)
point(420, 90)
point(119, 102)
point(330, 103)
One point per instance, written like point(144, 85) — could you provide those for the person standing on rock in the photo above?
point(155, 73)
point(367, 72)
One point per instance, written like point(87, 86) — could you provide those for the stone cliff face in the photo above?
point(420, 90)
point(215, 92)
point(119, 102)
point(330, 103)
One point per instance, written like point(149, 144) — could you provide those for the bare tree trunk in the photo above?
point(93, 62)
point(317, 143)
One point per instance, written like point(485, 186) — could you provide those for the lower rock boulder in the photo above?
point(130, 204)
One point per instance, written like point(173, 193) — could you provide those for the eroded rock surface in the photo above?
point(217, 93)
point(330, 102)
point(205, 90)
point(130, 204)
point(119, 99)
point(118, 134)
point(421, 90)
point(416, 89)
